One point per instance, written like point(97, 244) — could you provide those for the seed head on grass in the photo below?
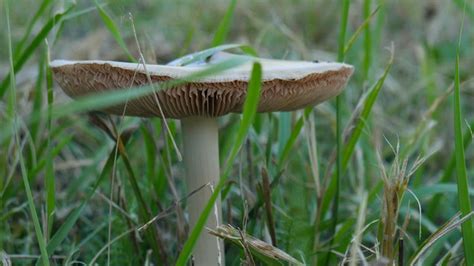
point(395, 184)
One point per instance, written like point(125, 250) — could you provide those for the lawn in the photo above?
point(379, 175)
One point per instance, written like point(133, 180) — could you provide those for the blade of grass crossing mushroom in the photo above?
point(105, 99)
point(224, 25)
point(109, 98)
point(461, 171)
point(14, 121)
point(114, 30)
point(249, 111)
point(32, 47)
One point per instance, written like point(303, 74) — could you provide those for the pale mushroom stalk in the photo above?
point(201, 160)
point(286, 86)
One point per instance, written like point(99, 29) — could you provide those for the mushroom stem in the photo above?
point(201, 160)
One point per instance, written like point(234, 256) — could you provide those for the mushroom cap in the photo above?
point(286, 85)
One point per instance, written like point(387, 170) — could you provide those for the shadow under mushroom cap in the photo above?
point(286, 86)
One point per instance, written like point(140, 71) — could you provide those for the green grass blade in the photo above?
point(71, 15)
point(359, 30)
point(50, 195)
point(356, 133)
point(439, 188)
point(466, 6)
point(70, 221)
point(461, 171)
point(49, 175)
point(342, 30)
point(114, 30)
point(50, 99)
point(378, 29)
point(369, 103)
point(38, 95)
point(367, 41)
point(105, 99)
point(24, 172)
point(293, 136)
point(284, 126)
point(27, 34)
point(201, 56)
point(51, 155)
point(39, 234)
point(448, 172)
point(150, 154)
point(48, 160)
point(339, 101)
point(224, 25)
point(249, 111)
point(152, 236)
point(68, 16)
point(429, 70)
point(30, 49)
point(446, 228)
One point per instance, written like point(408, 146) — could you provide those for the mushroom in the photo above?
point(286, 86)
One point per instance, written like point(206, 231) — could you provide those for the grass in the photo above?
point(461, 170)
point(324, 184)
point(339, 109)
point(11, 113)
point(114, 30)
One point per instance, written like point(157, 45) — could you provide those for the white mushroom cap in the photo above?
point(286, 85)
